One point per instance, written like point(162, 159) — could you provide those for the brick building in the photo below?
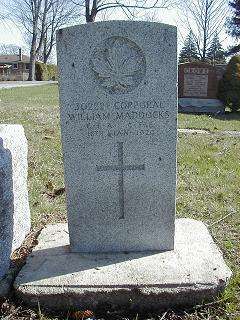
point(14, 67)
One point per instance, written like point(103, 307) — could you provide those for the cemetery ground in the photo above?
point(208, 189)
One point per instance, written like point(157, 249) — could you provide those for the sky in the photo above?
point(11, 34)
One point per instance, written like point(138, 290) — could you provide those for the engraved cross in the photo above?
point(121, 168)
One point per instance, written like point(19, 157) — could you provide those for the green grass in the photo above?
point(208, 177)
point(36, 108)
point(228, 122)
point(208, 190)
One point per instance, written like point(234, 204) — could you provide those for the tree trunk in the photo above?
point(32, 68)
point(90, 13)
point(205, 32)
point(87, 11)
point(33, 53)
point(90, 18)
point(45, 56)
point(31, 76)
point(45, 59)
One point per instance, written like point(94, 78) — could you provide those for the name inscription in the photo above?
point(123, 119)
point(196, 70)
point(129, 115)
point(118, 105)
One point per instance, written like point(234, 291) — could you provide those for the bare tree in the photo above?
point(31, 15)
point(61, 13)
point(2, 16)
point(40, 19)
point(90, 9)
point(4, 13)
point(8, 48)
point(204, 19)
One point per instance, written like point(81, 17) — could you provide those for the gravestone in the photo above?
point(198, 86)
point(119, 119)
point(14, 209)
point(197, 80)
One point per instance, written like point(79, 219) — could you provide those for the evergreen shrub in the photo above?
point(45, 72)
point(229, 85)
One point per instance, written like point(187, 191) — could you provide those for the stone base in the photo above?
point(58, 279)
point(197, 105)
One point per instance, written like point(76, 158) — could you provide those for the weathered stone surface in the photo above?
point(14, 207)
point(56, 278)
point(119, 127)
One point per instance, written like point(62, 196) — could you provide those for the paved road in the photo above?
point(15, 84)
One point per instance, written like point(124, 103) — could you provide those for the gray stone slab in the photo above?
point(119, 129)
point(14, 206)
point(56, 278)
point(196, 105)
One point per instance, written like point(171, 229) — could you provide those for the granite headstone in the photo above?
point(197, 80)
point(198, 87)
point(119, 129)
point(14, 206)
point(118, 114)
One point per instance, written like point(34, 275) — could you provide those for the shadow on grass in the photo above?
point(227, 116)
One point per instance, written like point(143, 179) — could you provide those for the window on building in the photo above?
point(15, 66)
point(27, 66)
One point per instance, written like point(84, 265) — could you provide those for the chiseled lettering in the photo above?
point(140, 115)
point(126, 105)
point(95, 117)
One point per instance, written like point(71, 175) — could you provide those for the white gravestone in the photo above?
point(118, 113)
point(14, 206)
point(119, 128)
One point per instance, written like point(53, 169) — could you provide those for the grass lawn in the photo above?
point(228, 122)
point(208, 178)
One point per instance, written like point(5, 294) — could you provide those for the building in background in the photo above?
point(14, 67)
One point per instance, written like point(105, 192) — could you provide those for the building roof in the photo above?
point(13, 58)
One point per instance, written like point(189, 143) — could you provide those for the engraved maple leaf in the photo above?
point(117, 66)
